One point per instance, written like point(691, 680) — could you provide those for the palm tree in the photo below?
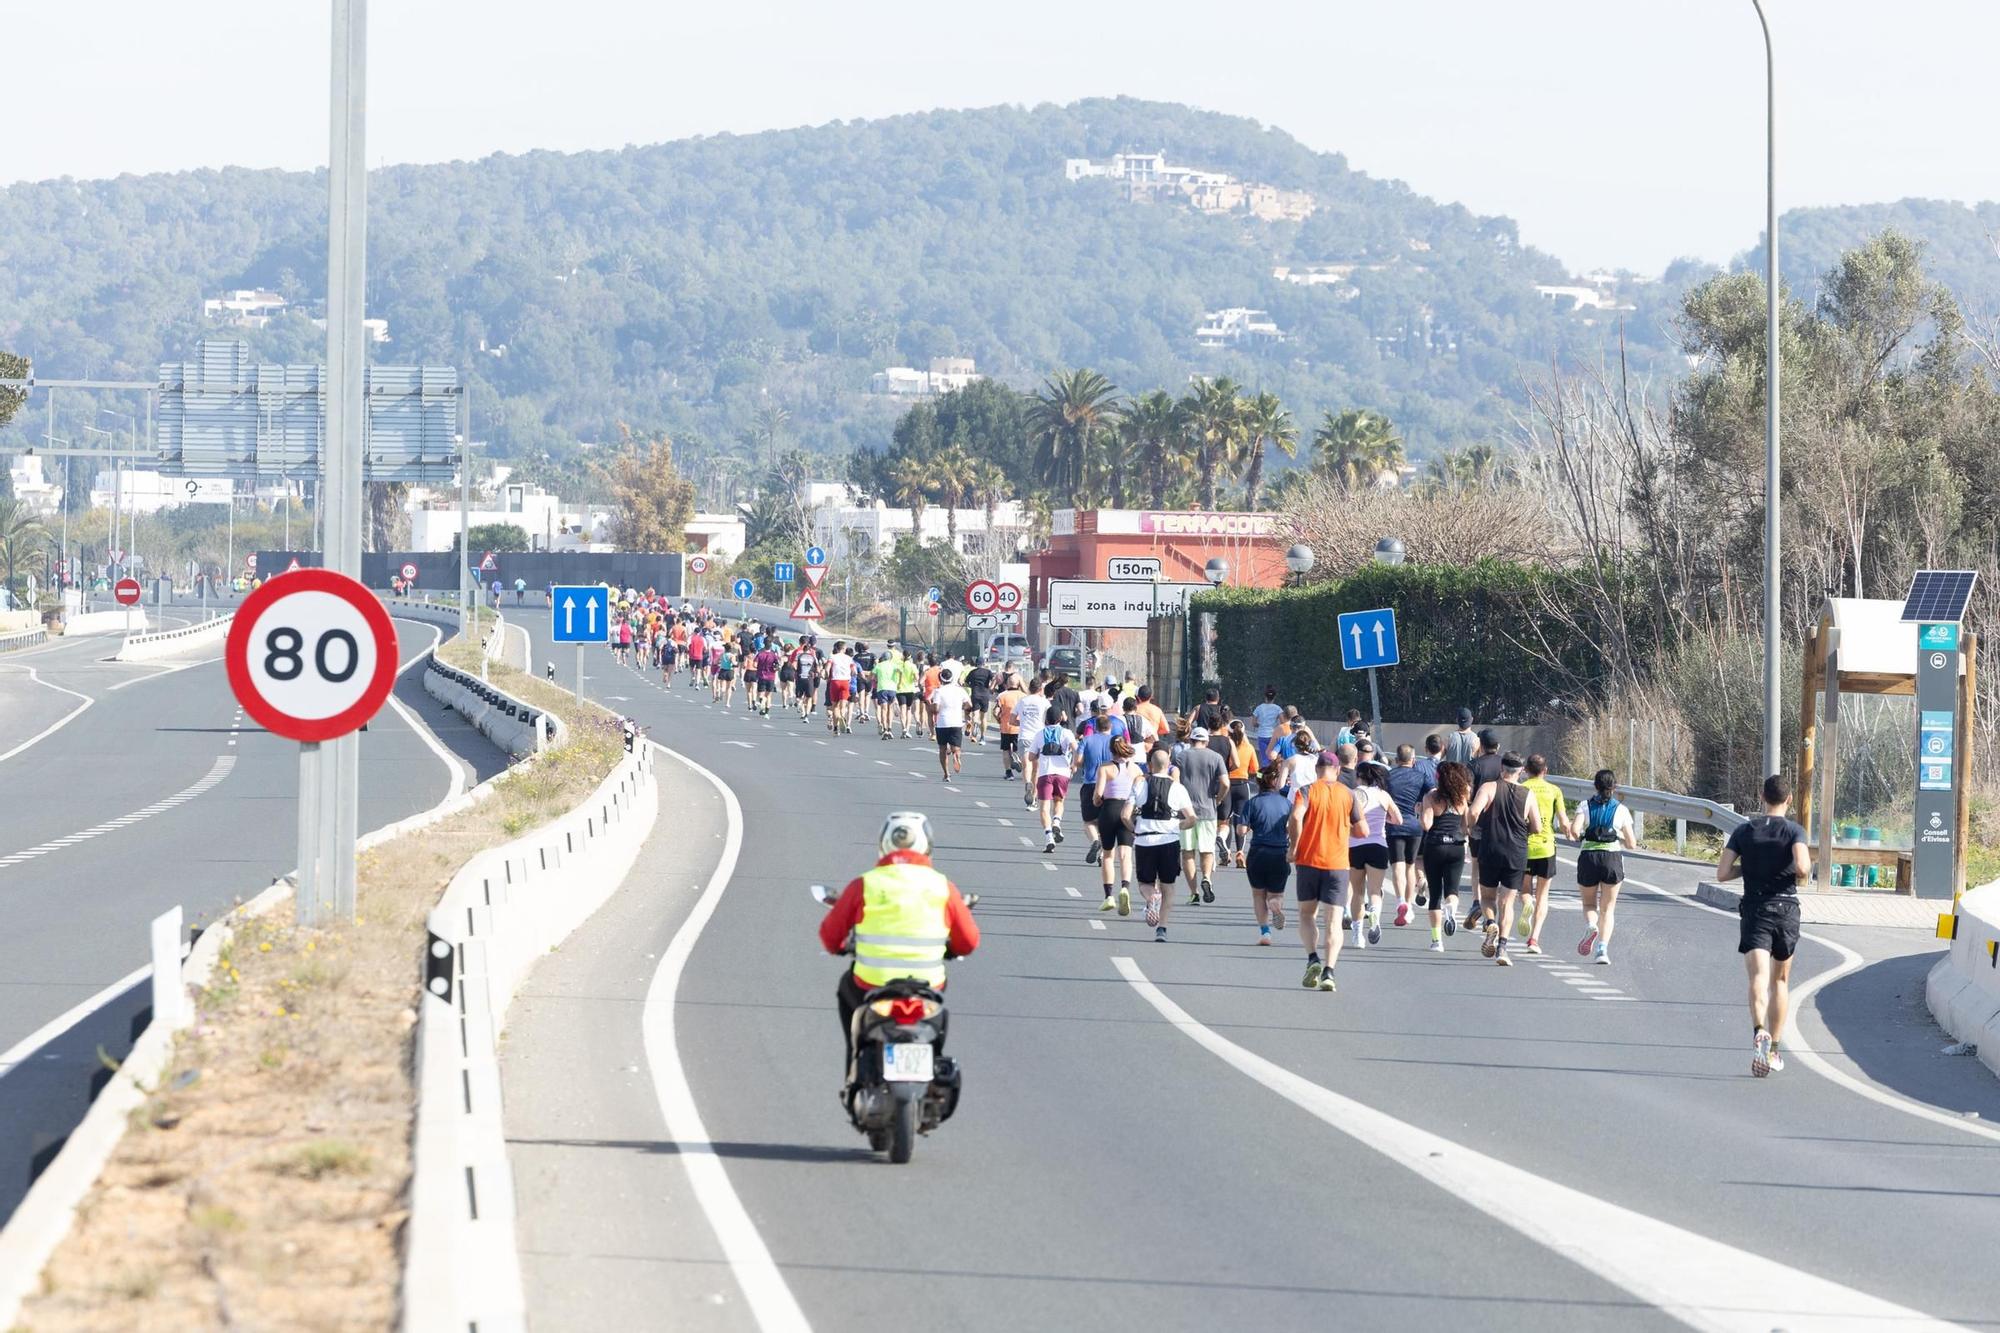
point(910, 487)
point(1214, 414)
point(23, 540)
point(1066, 417)
point(1470, 468)
point(1266, 423)
point(953, 475)
point(770, 427)
point(989, 487)
point(1357, 448)
point(1151, 430)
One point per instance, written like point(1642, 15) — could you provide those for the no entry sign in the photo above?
point(311, 656)
point(126, 591)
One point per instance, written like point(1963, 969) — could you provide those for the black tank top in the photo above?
point(1507, 824)
point(1447, 829)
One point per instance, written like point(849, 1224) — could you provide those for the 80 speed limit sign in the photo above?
point(311, 656)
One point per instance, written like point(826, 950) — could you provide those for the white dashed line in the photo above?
point(1026, 841)
point(1072, 891)
point(982, 805)
point(1095, 925)
point(216, 773)
point(1004, 820)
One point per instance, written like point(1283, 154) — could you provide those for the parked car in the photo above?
point(1066, 658)
point(1004, 647)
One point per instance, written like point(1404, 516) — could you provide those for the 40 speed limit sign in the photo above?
point(311, 656)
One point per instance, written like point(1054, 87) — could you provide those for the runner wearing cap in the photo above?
point(1206, 776)
point(1092, 753)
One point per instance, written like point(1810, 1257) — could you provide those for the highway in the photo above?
point(155, 791)
point(1179, 1136)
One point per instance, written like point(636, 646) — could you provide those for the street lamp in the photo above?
point(1300, 560)
point(1772, 649)
point(1216, 570)
point(1388, 551)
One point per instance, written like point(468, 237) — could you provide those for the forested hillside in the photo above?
point(1961, 247)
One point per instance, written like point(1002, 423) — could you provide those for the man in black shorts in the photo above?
point(1771, 855)
point(1485, 766)
point(1510, 815)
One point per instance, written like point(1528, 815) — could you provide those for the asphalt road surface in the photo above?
point(158, 790)
point(1179, 1136)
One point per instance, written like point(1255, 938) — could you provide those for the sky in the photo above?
point(1617, 133)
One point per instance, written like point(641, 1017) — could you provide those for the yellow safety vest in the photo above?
point(903, 928)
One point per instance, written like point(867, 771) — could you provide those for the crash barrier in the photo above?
point(26, 638)
point(107, 622)
point(1963, 989)
point(506, 908)
point(496, 645)
point(1643, 801)
point(439, 570)
point(516, 727)
point(165, 643)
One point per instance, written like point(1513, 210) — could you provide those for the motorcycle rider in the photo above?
point(905, 917)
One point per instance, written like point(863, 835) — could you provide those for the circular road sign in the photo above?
point(409, 571)
point(743, 588)
point(1007, 596)
point(981, 596)
point(311, 656)
point(816, 555)
point(698, 564)
point(932, 607)
point(126, 591)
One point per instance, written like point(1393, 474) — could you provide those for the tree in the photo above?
point(652, 504)
point(1216, 432)
point(990, 488)
point(1357, 448)
point(914, 566)
point(1268, 424)
point(1151, 428)
point(1066, 417)
point(910, 488)
point(23, 543)
point(388, 522)
point(954, 473)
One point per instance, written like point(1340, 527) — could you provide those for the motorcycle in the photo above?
point(898, 1086)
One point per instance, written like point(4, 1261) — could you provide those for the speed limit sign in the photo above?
point(1007, 596)
point(409, 571)
point(698, 564)
point(311, 656)
point(981, 595)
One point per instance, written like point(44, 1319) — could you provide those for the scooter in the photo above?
point(898, 1086)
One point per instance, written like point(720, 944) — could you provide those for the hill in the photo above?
point(696, 285)
point(1961, 246)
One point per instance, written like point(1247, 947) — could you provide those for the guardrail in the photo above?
point(503, 910)
point(1643, 801)
point(515, 726)
point(1963, 989)
point(161, 643)
point(25, 638)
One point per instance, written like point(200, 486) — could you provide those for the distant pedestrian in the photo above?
point(1771, 855)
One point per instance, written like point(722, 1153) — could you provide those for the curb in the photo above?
point(165, 643)
point(1887, 910)
point(515, 726)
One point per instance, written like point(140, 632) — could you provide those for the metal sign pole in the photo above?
point(306, 899)
point(1934, 855)
point(1374, 703)
point(579, 673)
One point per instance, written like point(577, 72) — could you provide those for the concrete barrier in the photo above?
point(515, 726)
point(107, 622)
point(168, 643)
point(1963, 989)
point(507, 907)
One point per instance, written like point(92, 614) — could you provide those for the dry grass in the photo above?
point(265, 1182)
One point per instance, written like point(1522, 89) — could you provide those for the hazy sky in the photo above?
point(1617, 132)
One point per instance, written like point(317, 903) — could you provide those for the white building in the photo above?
point(376, 329)
point(946, 374)
point(434, 520)
point(720, 535)
point(1151, 176)
point(250, 308)
point(1237, 326)
point(852, 530)
point(32, 487)
point(1578, 297)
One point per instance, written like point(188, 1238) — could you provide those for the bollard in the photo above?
point(1680, 837)
point(541, 732)
point(169, 998)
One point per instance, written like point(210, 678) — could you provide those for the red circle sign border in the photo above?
point(1000, 602)
point(236, 656)
point(124, 585)
point(987, 584)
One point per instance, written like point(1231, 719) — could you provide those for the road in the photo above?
point(1179, 1136)
point(157, 791)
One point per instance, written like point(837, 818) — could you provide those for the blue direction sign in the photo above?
point(742, 588)
point(783, 571)
point(1368, 639)
point(934, 593)
point(816, 556)
point(581, 613)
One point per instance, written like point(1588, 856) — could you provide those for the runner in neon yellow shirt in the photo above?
point(1541, 849)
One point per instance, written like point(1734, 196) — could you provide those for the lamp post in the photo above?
point(1389, 551)
point(1772, 648)
point(1300, 560)
point(1216, 571)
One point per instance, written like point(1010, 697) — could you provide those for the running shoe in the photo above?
point(1346, 919)
point(1207, 890)
point(1326, 980)
point(1153, 903)
point(1159, 934)
point(1240, 862)
point(1490, 946)
point(1314, 971)
point(1360, 934)
point(1402, 914)
point(1526, 922)
point(1263, 935)
point(1107, 904)
point(1277, 917)
point(1777, 1061)
point(1603, 958)
point(1760, 1055)
point(1583, 945)
point(1450, 925)
point(1094, 855)
point(1534, 945)
point(1373, 929)
point(1028, 800)
point(1194, 897)
point(1437, 946)
point(1423, 900)
point(1124, 900)
point(1049, 847)
point(1472, 917)
point(1500, 955)
point(1057, 830)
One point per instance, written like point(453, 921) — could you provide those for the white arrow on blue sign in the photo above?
point(816, 556)
point(934, 593)
point(1368, 639)
point(742, 588)
point(582, 613)
point(783, 571)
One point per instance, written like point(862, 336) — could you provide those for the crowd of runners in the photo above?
point(1354, 837)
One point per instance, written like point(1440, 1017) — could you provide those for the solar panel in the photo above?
point(1938, 596)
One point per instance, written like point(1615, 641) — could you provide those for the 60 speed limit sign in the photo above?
point(311, 656)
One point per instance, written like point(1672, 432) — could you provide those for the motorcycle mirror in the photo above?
point(822, 895)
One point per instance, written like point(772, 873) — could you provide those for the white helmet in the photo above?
point(906, 831)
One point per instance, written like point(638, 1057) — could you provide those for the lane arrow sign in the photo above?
point(1355, 630)
point(569, 615)
point(1381, 635)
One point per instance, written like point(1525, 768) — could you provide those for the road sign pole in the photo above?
point(579, 673)
point(1374, 704)
point(1934, 856)
point(305, 898)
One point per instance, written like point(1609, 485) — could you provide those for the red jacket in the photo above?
point(846, 912)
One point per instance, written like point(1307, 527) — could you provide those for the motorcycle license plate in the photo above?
point(907, 1062)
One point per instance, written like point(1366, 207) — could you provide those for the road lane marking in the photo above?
point(1072, 891)
point(164, 671)
point(1702, 1282)
point(982, 805)
point(1026, 841)
point(1003, 819)
point(60, 722)
point(216, 773)
point(1095, 925)
point(845, 751)
point(771, 1301)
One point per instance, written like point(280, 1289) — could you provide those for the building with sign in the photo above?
point(852, 529)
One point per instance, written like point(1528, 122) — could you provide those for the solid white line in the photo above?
point(1702, 1282)
point(59, 723)
point(771, 1302)
point(461, 772)
point(164, 671)
point(19, 1052)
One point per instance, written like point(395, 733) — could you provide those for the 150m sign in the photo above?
point(311, 656)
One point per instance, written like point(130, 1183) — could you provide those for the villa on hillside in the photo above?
point(946, 374)
point(1150, 176)
point(1237, 327)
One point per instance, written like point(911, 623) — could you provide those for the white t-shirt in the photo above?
point(1159, 832)
point(1304, 770)
point(840, 667)
point(1085, 696)
point(1267, 715)
point(950, 701)
point(1030, 712)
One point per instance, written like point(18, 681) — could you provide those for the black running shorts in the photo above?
point(1771, 924)
point(1599, 867)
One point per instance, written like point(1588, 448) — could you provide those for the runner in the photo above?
point(1094, 751)
point(771, 666)
point(1446, 814)
point(1463, 745)
point(864, 689)
point(1242, 766)
point(907, 678)
point(948, 703)
point(1302, 768)
point(1204, 776)
point(1541, 849)
point(1602, 825)
point(520, 592)
point(623, 650)
point(1346, 734)
point(980, 684)
point(1054, 747)
point(724, 689)
point(888, 669)
point(1771, 855)
point(1164, 818)
point(839, 687)
point(1209, 714)
point(1265, 719)
point(1407, 787)
point(697, 658)
point(1031, 714)
point(806, 665)
point(1485, 768)
point(1322, 819)
point(1368, 852)
point(1511, 818)
point(1264, 818)
point(1010, 726)
point(1118, 782)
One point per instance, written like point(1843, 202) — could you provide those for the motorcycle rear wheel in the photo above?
point(878, 1139)
point(903, 1132)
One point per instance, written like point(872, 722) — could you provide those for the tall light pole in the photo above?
point(1773, 630)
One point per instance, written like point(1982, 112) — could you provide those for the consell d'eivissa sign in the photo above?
point(1200, 524)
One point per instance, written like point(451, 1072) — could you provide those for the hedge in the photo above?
point(1460, 629)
